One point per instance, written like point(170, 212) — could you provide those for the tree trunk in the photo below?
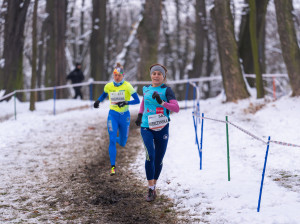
point(41, 61)
point(113, 39)
point(184, 57)
point(12, 73)
point(178, 50)
point(34, 50)
point(245, 49)
point(200, 32)
point(50, 48)
point(288, 40)
point(169, 60)
point(2, 24)
point(97, 43)
point(81, 32)
point(200, 37)
point(60, 62)
point(261, 10)
point(234, 85)
point(73, 35)
point(254, 48)
point(55, 74)
point(148, 36)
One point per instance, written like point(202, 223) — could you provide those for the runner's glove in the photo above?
point(122, 104)
point(156, 96)
point(139, 120)
point(96, 104)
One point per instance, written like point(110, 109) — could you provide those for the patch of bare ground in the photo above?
point(287, 179)
point(253, 108)
point(96, 197)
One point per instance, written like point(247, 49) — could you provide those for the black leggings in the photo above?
point(78, 92)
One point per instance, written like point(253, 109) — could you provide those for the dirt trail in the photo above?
point(97, 197)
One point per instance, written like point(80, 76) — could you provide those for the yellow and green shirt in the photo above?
point(118, 94)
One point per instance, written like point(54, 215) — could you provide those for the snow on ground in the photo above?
point(34, 149)
point(205, 194)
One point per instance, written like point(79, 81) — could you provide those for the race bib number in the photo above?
point(116, 97)
point(157, 121)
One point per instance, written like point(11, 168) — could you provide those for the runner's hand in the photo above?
point(122, 104)
point(156, 96)
point(139, 120)
point(96, 104)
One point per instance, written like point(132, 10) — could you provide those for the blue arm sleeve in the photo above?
point(103, 96)
point(135, 100)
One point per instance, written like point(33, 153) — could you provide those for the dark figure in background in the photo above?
point(76, 76)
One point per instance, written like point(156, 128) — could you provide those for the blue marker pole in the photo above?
point(197, 142)
point(91, 94)
point(187, 94)
point(263, 175)
point(195, 126)
point(201, 141)
point(194, 98)
point(54, 98)
point(198, 112)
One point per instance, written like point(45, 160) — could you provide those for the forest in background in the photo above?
point(41, 40)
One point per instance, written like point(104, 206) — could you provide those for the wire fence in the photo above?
point(275, 84)
point(247, 132)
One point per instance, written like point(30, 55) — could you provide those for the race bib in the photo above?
point(157, 121)
point(116, 97)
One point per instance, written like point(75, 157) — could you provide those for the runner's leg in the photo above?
point(160, 141)
point(147, 137)
point(124, 123)
point(112, 128)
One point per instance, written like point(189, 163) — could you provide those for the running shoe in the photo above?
point(112, 171)
point(151, 195)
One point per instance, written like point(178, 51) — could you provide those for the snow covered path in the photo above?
point(55, 169)
point(38, 153)
point(39, 147)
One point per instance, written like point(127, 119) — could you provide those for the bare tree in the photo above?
point(200, 32)
point(34, 56)
point(233, 82)
point(245, 49)
point(11, 77)
point(41, 58)
point(254, 48)
point(55, 52)
point(2, 23)
point(81, 45)
point(113, 37)
point(200, 38)
point(288, 40)
point(148, 36)
point(178, 51)
point(97, 42)
point(169, 60)
point(185, 52)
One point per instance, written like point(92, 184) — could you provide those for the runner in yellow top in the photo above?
point(119, 92)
